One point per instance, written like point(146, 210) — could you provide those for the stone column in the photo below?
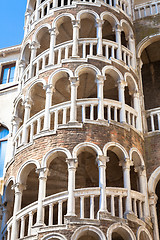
point(100, 84)
point(4, 215)
point(15, 124)
point(41, 195)
point(18, 188)
point(118, 30)
point(152, 202)
point(33, 46)
point(76, 27)
point(138, 109)
point(53, 34)
point(102, 182)
point(73, 110)
point(36, 11)
point(72, 166)
point(121, 90)
point(132, 48)
point(27, 104)
point(127, 183)
point(99, 25)
point(48, 104)
point(143, 188)
point(27, 18)
point(22, 65)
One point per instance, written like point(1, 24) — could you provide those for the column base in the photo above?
point(130, 216)
point(103, 215)
point(69, 218)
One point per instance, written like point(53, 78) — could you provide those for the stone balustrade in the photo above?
point(60, 115)
point(146, 9)
point(54, 213)
point(153, 119)
point(48, 6)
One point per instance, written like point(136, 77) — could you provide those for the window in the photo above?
point(7, 73)
point(3, 146)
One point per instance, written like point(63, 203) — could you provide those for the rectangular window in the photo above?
point(7, 75)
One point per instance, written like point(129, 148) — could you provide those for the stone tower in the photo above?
point(79, 145)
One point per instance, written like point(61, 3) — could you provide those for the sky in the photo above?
point(11, 22)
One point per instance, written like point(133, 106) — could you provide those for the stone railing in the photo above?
point(55, 208)
point(153, 119)
point(146, 9)
point(87, 48)
point(48, 6)
point(87, 110)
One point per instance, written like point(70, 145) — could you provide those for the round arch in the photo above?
point(113, 71)
point(86, 144)
point(52, 236)
point(39, 29)
point(54, 23)
point(53, 152)
point(16, 102)
point(82, 12)
point(26, 165)
point(129, 30)
point(119, 149)
point(33, 84)
point(110, 18)
point(135, 150)
point(28, 42)
point(131, 82)
point(81, 231)
point(59, 73)
point(81, 68)
point(143, 229)
point(120, 226)
point(153, 180)
point(146, 42)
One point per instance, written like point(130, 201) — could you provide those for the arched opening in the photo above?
point(158, 203)
point(126, 35)
point(121, 234)
point(87, 26)
point(57, 182)
point(8, 204)
point(64, 30)
point(37, 96)
point(89, 236)
point(107, 30)
point(144, 236)
point(87, 176)
point(29, 179)
point(3, 147)
point(26, 56)
point(19, 113)
point(124, 39)
point(43, 38)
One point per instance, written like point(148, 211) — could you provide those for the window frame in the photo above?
point(5, 66)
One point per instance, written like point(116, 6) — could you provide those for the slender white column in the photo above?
point(152, 202)
point(48, 103)
point(127, 184)
point(100, 84)
point(33, 46)
point(118, 30)
point(72, 166)
point(55, 3)
point(27, 18)
point(27, 104)
point(99, 25)
point(121, 89)
point(133, 50)
point(53, 33)
point(143, 188)
point(18, 188)
point(36, 11)
point(138, 109)
point(41, 195)
point(76, 27)
point(21, 70)
point(102, 182)
point(73, 111)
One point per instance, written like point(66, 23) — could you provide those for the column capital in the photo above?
point(28, 12)
point(53, 31)
point(121, 83)
point(43, 172)
point(48, 87)
point(27, 102)
point(34, 45)
point(118, 27)
point(72, 163)
point(136, 94)
point(126, 164)
point(18, 188)
point(100, 79)
point(102, 160)
point(74, 80)
point(76, 23)
point(153, 199)
point(99, 23)
point(16, 120)
point(22, 63)
point(141, 170)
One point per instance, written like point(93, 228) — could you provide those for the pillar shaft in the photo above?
point(47, 107)
point(99, 25)
point(53, 33)
point(75, 24)
point(100, 84)
point(73, 111)
point(121, 89)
